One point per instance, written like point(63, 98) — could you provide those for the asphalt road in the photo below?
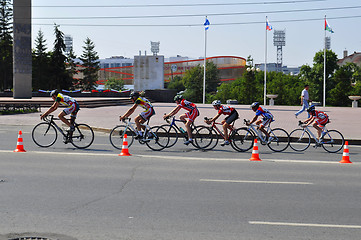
point(180, 193)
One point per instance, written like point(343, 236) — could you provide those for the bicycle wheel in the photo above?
point(333, 141)
point(300, 140)
point(157, 138)
point(44, 134)
point(116, 136)
point(280, 140)
point(83, 136)
point(173, 134)
point(242, 139)
point(205, 137)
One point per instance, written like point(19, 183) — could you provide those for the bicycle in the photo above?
point(45, 134)
point(217, 134)
point(278, 143)
point(331, 140)
point(174, 131)
point(156, 138)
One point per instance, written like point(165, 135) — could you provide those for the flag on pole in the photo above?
point(327, 27)
point(206, 24)
point(268, 25)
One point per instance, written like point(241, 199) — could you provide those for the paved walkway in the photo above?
point(344, 119)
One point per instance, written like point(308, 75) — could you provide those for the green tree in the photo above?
point(6, 42)
point(176, 83)
point(315, 74)
point(342, 79)
point(193, 81)
point(41, 63)
point(60, 78)
point(113, 83)
point(71, 67)
point(91, 65)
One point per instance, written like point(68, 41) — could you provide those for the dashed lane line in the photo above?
point(179, 157)
point(304, 224)
point(247, 181)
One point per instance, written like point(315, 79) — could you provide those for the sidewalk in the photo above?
point(343, 119)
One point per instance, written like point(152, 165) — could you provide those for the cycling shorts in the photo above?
point(192, 114)
point(232, 117)
point(72, 109)
point(266, 121)
point(147, 114)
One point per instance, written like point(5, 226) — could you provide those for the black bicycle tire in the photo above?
point(270, 145)
point(234, 140)
point(174, 131)
point(50, 127)
point(293, 137)
point(325, 139)
point(119, 145)
point(80, 127)
point(198, 138)
point(155, 130)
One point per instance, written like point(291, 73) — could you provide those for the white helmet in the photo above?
point(216, 103)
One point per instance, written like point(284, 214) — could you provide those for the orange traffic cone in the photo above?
point(346, 154)
point(19, 145)
point(125, 151)
point(255, 155)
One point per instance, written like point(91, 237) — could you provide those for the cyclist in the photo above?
point(143, 116)
point(320, 117)
point(267, 118)
point(191, 114)
point(226, 110)
point(71, 107)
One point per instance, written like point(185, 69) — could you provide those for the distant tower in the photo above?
point(328, 43)
point(279, 40)
point(154, 48)
point(68, 40)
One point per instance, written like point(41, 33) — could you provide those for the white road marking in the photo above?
point(304, 224)
point(167, 156)
point(247, 181)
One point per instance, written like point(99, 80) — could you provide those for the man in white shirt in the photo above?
point(304, 101)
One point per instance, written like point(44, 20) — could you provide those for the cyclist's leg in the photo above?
point(187, 123)
point(262, 125)
point(319, 130)
point(227, 122)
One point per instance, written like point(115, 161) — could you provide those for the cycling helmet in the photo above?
point(255, 105)
point(216, 103)
point(178, 98)
point(134, 95)
point(54, 93)
point(311, 108)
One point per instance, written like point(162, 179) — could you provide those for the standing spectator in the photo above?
point(304, 101)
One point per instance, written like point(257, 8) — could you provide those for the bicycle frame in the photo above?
point(307, 129)
point(51, 121)
point(254, 128)
point(135, 130)
point(173, 124)
point(214, 126)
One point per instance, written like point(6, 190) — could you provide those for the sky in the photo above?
point(237, 28)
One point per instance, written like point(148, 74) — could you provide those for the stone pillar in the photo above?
point(22, 69)
point(148, 72)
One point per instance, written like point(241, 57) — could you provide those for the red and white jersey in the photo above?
point(322, 117)
point(187, 105)
point(226, 110)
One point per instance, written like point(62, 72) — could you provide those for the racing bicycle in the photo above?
point(278, 142)
point(45, 134)
point(156, 138)
point(175, 132)
point(331, 140)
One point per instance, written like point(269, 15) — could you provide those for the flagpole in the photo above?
point(324, 69)
point(265, 68)
point(204, 64)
